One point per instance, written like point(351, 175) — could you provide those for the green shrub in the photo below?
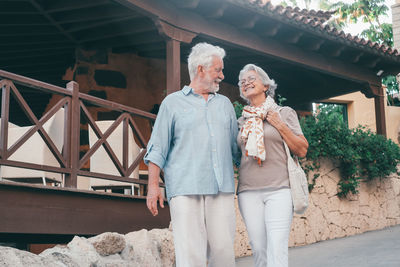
point(361, 154)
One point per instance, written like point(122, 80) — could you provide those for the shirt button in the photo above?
point(212, 135)
point(214, 150)
point(215, 165)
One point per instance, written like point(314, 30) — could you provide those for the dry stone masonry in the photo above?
point(375, 207)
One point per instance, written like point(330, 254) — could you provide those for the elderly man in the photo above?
point(193, 141)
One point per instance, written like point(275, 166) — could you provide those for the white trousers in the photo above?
point(204, 229)
point(268, 217)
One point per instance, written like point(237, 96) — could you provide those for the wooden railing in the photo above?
point(74, 104)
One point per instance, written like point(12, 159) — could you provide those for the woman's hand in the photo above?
point(274, 119)
point(297, 143)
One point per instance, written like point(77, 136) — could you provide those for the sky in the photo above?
point(353, 29)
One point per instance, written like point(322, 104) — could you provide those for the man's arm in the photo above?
point(154, 194)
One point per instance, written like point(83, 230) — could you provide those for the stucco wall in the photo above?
point(361, 111)
point(375, 207)
point(393, 123)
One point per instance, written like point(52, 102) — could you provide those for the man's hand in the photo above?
point(154, 195)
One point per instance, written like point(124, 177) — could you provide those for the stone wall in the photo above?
point(375, 207)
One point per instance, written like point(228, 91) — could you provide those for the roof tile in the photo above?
point(313, 19)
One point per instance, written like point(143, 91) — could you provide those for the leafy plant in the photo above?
point(361, 154)
point(238, 108)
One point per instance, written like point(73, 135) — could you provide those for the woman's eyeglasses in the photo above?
point(251, 79)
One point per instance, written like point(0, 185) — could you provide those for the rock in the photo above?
point(141, 250)
point(61, 256)
point(108, 243)
point(165, 240)
point(12, 257)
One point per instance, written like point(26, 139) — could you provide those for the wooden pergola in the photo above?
point(309, 60)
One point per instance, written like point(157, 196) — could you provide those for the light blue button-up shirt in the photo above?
point(194, 142)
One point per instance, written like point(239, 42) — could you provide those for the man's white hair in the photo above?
point(202, 54)
point(263, 77)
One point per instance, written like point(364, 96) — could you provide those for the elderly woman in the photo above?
point(265, 200)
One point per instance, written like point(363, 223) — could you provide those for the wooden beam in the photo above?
point(107, 32)
point(272, 30)
point(372, 64)
point(171, 32)
point(316, 45)
point(337, 51)
point(35, 209)
point(186, 4)
point(51, 20)
point(294, 38)
point(75, 27)
point(96, 13)
point(265, 46)
point(218, 11)
point(118, 41)
point(8, 49)
point(73, 128)
point(380, 116)
point(357, 57)
point(249, 23)
point(173, 66)
point(59, 6)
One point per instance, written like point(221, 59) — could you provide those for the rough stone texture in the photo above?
point(141, 249)
point(242, 247)
point(12, 257)
point(165, 242)
point(375, 207)
point(108, 243)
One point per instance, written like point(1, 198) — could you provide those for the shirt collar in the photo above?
point(187, 89)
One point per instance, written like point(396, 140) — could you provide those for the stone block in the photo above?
point(336, 231)
point(347, 206)
point(165, 240)
point(334, 203)
point(141, 250)
point(396, 186)
point(300, 232)
point(108, 243)
point(393, 209)
point(331, 187)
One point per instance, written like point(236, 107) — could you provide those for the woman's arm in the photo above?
point(297, 144)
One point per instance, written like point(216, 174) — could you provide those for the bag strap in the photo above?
point(295, 158)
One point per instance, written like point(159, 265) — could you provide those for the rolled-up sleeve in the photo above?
point(158, 146)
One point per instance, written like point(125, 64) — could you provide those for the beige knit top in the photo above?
point(273, 171)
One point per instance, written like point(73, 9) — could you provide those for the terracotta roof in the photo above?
point(315, 21)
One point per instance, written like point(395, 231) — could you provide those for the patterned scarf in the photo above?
point(252, 132)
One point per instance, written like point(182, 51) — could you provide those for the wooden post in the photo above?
point(5, 105)
point(74, 142)
point(174, 37)
point(173, 66)
point(380, 115)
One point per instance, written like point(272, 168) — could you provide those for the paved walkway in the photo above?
point(379, 248)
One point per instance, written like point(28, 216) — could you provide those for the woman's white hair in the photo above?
point(263, 77)
point(202, 54)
